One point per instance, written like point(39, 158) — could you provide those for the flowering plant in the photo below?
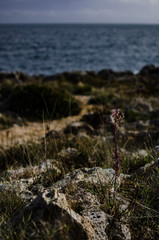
point(116, 121)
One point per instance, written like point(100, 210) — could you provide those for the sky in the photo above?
point(79, 11)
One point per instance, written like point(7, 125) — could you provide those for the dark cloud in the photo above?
point(144, 11)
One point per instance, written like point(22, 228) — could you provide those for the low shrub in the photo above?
point(5, 89)
point(83, 89)
point(101, 98)
point(6, 121)
point(37, 101)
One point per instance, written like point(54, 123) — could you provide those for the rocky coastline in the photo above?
point(57, 156)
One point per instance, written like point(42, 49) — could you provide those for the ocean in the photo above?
point(54, 48)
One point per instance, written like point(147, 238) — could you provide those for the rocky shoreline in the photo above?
point(57, 156)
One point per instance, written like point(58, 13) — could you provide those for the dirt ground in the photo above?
point(36, 130)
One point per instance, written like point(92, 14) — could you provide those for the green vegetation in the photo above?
point(21, 155)
point(6, 121)
point(83, 89)
point(5, 89)
point(49, 177)
point(40, 101)
point(131, 165)
point(89, 152)
point(103, 97)
point(10, 204)
point(24, 98)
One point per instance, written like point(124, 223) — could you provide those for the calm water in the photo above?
point(53, 48)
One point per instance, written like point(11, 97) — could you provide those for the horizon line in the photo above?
point(82, 23)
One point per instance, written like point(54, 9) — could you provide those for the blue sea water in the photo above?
point(53, 48)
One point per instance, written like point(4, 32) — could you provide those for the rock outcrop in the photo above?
point(69, 202)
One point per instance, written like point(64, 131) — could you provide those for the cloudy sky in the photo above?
point(79, 11)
